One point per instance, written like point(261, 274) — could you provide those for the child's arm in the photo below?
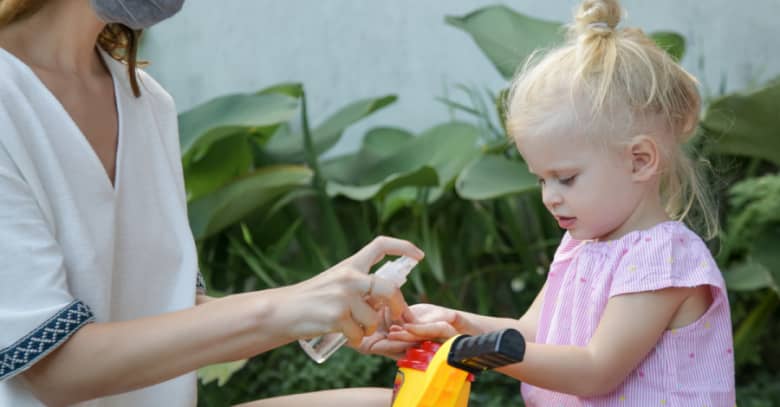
point(435, 322)
point(629, 329)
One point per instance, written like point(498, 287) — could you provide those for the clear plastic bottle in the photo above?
point(321, 347)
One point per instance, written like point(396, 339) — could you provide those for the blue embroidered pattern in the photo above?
point(44, 339)
point(200, 284)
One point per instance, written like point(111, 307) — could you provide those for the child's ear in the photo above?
point(645, 158)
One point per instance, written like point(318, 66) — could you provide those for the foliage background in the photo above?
point(268, 207)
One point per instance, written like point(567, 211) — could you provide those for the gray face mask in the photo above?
point(136, 14)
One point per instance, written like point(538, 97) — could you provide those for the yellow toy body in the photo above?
point(439, 385)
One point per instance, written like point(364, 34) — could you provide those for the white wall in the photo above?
point(344, 50)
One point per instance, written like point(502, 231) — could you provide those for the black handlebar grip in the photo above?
point(475, 354)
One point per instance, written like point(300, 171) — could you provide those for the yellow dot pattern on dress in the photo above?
point(707, 324)
point(632, 268)
point(622, 398)
point(670, 260)
point(663, 402)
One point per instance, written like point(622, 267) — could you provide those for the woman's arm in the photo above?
point(357, 397)
point(108, 358)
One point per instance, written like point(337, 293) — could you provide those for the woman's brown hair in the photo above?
point(118, 40)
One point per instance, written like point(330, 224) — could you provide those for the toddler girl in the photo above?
point(634, 310)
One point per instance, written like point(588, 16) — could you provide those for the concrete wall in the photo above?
point(344, 50)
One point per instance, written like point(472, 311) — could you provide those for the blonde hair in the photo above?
point(119, 41)
point(617, 82)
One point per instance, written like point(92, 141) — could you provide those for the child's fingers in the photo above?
point(435, 330)
point(392, 349)
point(404, 336)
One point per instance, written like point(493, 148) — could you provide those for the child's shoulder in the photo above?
point(667, 255)
point(672, 238)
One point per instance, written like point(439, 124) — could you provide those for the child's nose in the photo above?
point(551, 198)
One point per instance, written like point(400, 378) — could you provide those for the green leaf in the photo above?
point(507, 37)
point(220, 372)
point(217, 210)
point(227, 115)
point(749, 276)
point(747, 125)
point(423, 176)
point(446, 148)
point(385, 141)
point(378, 143)
point(225, 160)
point(329, 132)
point(292, 89)
point(494, 176)
point(671, 42)
point(764, 251)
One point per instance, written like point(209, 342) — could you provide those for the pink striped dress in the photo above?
point(690, 366)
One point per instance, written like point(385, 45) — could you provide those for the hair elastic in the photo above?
point(599, 24)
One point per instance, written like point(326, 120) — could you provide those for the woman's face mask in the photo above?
point(136, 14)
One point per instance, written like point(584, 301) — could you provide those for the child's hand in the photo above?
point(379, 344)
point(431, 322)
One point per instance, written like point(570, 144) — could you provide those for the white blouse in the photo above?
point(73, 247)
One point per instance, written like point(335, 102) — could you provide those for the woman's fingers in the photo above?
point(365, 316)
point(352, 330)
point(380, 247)
point(385, 292)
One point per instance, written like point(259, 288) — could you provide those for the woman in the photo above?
point(98, 267)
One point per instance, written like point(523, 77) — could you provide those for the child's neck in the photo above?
point(648, 213)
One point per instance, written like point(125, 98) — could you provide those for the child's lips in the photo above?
point(566, 222)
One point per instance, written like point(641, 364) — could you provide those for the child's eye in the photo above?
point(540, 181)
point(567, 181)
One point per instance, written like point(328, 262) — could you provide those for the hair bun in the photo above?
point(597, 17)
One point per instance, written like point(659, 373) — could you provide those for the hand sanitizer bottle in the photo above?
point(321, 347)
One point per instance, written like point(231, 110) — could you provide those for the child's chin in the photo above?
point(579, 234)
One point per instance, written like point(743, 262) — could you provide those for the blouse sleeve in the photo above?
point(671, 256)
point(37, 311)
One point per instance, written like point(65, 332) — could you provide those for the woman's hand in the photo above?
point(432, 322)
point(345, 298)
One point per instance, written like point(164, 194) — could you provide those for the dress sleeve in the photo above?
point(37, 311)
point(671, 256)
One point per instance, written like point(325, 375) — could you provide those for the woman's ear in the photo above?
point(645, 158)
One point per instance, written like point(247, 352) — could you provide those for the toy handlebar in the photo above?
point(434, 375)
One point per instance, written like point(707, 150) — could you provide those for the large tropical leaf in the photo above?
point(378, 143)
point(671, 42)
point(213, 212)
point(746, 124)
point(228, 115)
point(494, 176)
point(327, 134)
point(423, 176)
point(446, 148)
point(506, 36)
point(224, 160)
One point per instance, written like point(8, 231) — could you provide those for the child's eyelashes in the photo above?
point(568, 181)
